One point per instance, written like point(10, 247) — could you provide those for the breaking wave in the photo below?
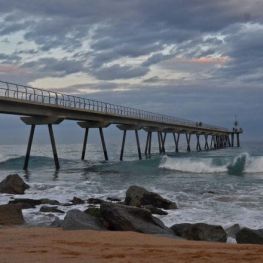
point(243, 163)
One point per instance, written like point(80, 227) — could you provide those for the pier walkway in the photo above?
point(44, 107)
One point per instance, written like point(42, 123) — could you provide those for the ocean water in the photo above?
point(218, 187)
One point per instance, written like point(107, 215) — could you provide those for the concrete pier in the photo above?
point(44, 107)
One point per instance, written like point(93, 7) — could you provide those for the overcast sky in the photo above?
point(195, 59)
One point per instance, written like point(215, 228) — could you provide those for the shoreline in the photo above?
point(42, 244)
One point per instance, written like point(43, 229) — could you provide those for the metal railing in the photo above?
point(22, 92)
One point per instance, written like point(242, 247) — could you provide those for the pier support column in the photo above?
point(163, 139)
point(85, 143)
point(146, 145)
point(232, 139)
point(150, 144)
point(176, 141)
point(123, 144)
point(53, 144)
point(188, 140)
point(159, 142)
point(103, 144)
point(238, 141)
point(32, 130)
point(206, 142)
point(87, 125)
point(135, 128)
point(198, 146)
point(138, 144)
point(41, 120)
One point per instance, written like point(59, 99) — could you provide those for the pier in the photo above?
point(44, 107)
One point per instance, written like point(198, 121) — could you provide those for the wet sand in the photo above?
point(18, 245)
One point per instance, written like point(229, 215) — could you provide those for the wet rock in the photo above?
point(249, 236)
point(11, 215)
point(95, 201)
point(138, 196)
point(127, 218)
point(232, 230)
point(155, 210)
point(50, 209)
point(26, 203)
point(200, 232)
point(113, 199)
point(93, 211)
point(77, 201)
point(76, 220)
point(57, 222)
point(13, 184)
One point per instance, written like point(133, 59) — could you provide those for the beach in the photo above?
point(21, 244)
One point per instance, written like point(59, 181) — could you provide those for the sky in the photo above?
point(195, 59)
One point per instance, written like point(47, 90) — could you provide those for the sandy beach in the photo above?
point(19, 244)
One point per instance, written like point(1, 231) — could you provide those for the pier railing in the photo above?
point(27, 93)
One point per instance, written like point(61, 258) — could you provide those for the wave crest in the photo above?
point(243, 163)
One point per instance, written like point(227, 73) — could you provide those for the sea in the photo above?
point(222, 187)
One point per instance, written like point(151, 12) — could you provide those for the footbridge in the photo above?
point(45, 107)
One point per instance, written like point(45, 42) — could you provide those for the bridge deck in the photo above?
point(27, 101)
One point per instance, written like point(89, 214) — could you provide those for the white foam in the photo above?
point(251, 164)
point(202, 165)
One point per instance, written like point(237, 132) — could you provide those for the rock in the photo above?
point(113, 199)
point(249, 236)
point(138, 196)
point(127, 218)
point(93, 211)
point(11, 215)
point(47, 201)
point(26, 203)
point(155, 210)
point(232, 231)
point(50, 209)
point(77, 201)
point(76, 220)
point(95, 201)
point(57, 222)
point(13, 184)
point(200, 231)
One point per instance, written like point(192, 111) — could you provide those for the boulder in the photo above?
point(11, 215)
point(113, 199)
point(26, 203)
point(138, 196)
point(57, 222)
point(13, 184)
point(233, 230)
point(154, 210)
point(200, 232)
point(77, 201)
point(249, 236)
point(76, 220)
point(50, 209)
point(126, 218)
point(95, 201)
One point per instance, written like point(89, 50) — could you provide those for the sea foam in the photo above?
point(243, 163)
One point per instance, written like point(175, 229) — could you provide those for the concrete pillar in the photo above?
point(138, 144)
point(123, 144)
point(147, 143)
point(238, 141)
point(159, 142)
point(53, 144)
point(188, 140)
point(206, 142)
point(41, 120)
point(85, 143)
point(103, 144)
point(198, 146)
point(150, 144)
point(32, 130)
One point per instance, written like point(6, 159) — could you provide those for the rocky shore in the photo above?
point(135, 213)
